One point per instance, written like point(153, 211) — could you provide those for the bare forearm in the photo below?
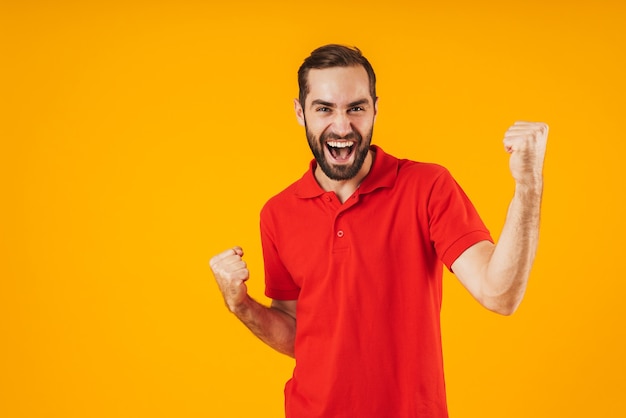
point(276, 325)
point(273, 326)
point(497, 275)
point(510, 264)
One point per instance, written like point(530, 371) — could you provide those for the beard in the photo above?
point(343, 171)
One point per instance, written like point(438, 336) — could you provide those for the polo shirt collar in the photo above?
point(382, 174)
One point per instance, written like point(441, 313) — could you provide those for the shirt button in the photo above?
point(340, 234)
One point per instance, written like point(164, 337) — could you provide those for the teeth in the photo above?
point(340, 144)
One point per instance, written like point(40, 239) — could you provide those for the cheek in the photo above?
point(320, 131)
point(364, 127)
point(313, 135)
point(311, 124)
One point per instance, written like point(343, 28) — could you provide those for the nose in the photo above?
point(342, 125)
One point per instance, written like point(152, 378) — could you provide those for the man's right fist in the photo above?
point(231, 273)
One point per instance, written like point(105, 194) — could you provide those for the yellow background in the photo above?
point(140, 138)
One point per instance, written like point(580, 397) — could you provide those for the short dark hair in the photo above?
point(329, 56)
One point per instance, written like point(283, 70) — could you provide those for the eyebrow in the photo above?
point(321, 102)
point(359, 102)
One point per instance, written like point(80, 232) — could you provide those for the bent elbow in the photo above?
point(505, 310)
point(505, 306)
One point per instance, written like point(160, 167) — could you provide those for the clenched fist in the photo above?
point(231, 273)
point(526, 142)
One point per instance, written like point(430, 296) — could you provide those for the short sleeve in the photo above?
point(453, 221)
point(279, 284)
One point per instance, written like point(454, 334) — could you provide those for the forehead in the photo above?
point(338, 84)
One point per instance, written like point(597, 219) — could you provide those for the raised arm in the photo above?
point(274, 325)
point(497, 275)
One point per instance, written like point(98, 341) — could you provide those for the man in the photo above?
point(353, 255)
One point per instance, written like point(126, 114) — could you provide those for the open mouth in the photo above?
point(340, 151)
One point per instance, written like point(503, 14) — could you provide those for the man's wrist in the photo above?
point(241, 308)
point(531, 188)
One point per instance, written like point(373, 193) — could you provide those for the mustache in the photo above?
point(331, 135)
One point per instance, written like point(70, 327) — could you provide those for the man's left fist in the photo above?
point(526, 142)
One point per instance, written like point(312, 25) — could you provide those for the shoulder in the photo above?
point(286, 199)
point(410, 167)
point(406, 167)
point(284, 195)
point(423, 173)
point(390, 172)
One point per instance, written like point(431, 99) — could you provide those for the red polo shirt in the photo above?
point(367, 277)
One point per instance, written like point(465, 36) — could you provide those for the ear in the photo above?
point(299, 112)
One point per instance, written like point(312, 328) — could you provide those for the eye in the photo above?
point(356, 109)
point(322, 109)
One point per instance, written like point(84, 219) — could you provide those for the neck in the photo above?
point(345, 188)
